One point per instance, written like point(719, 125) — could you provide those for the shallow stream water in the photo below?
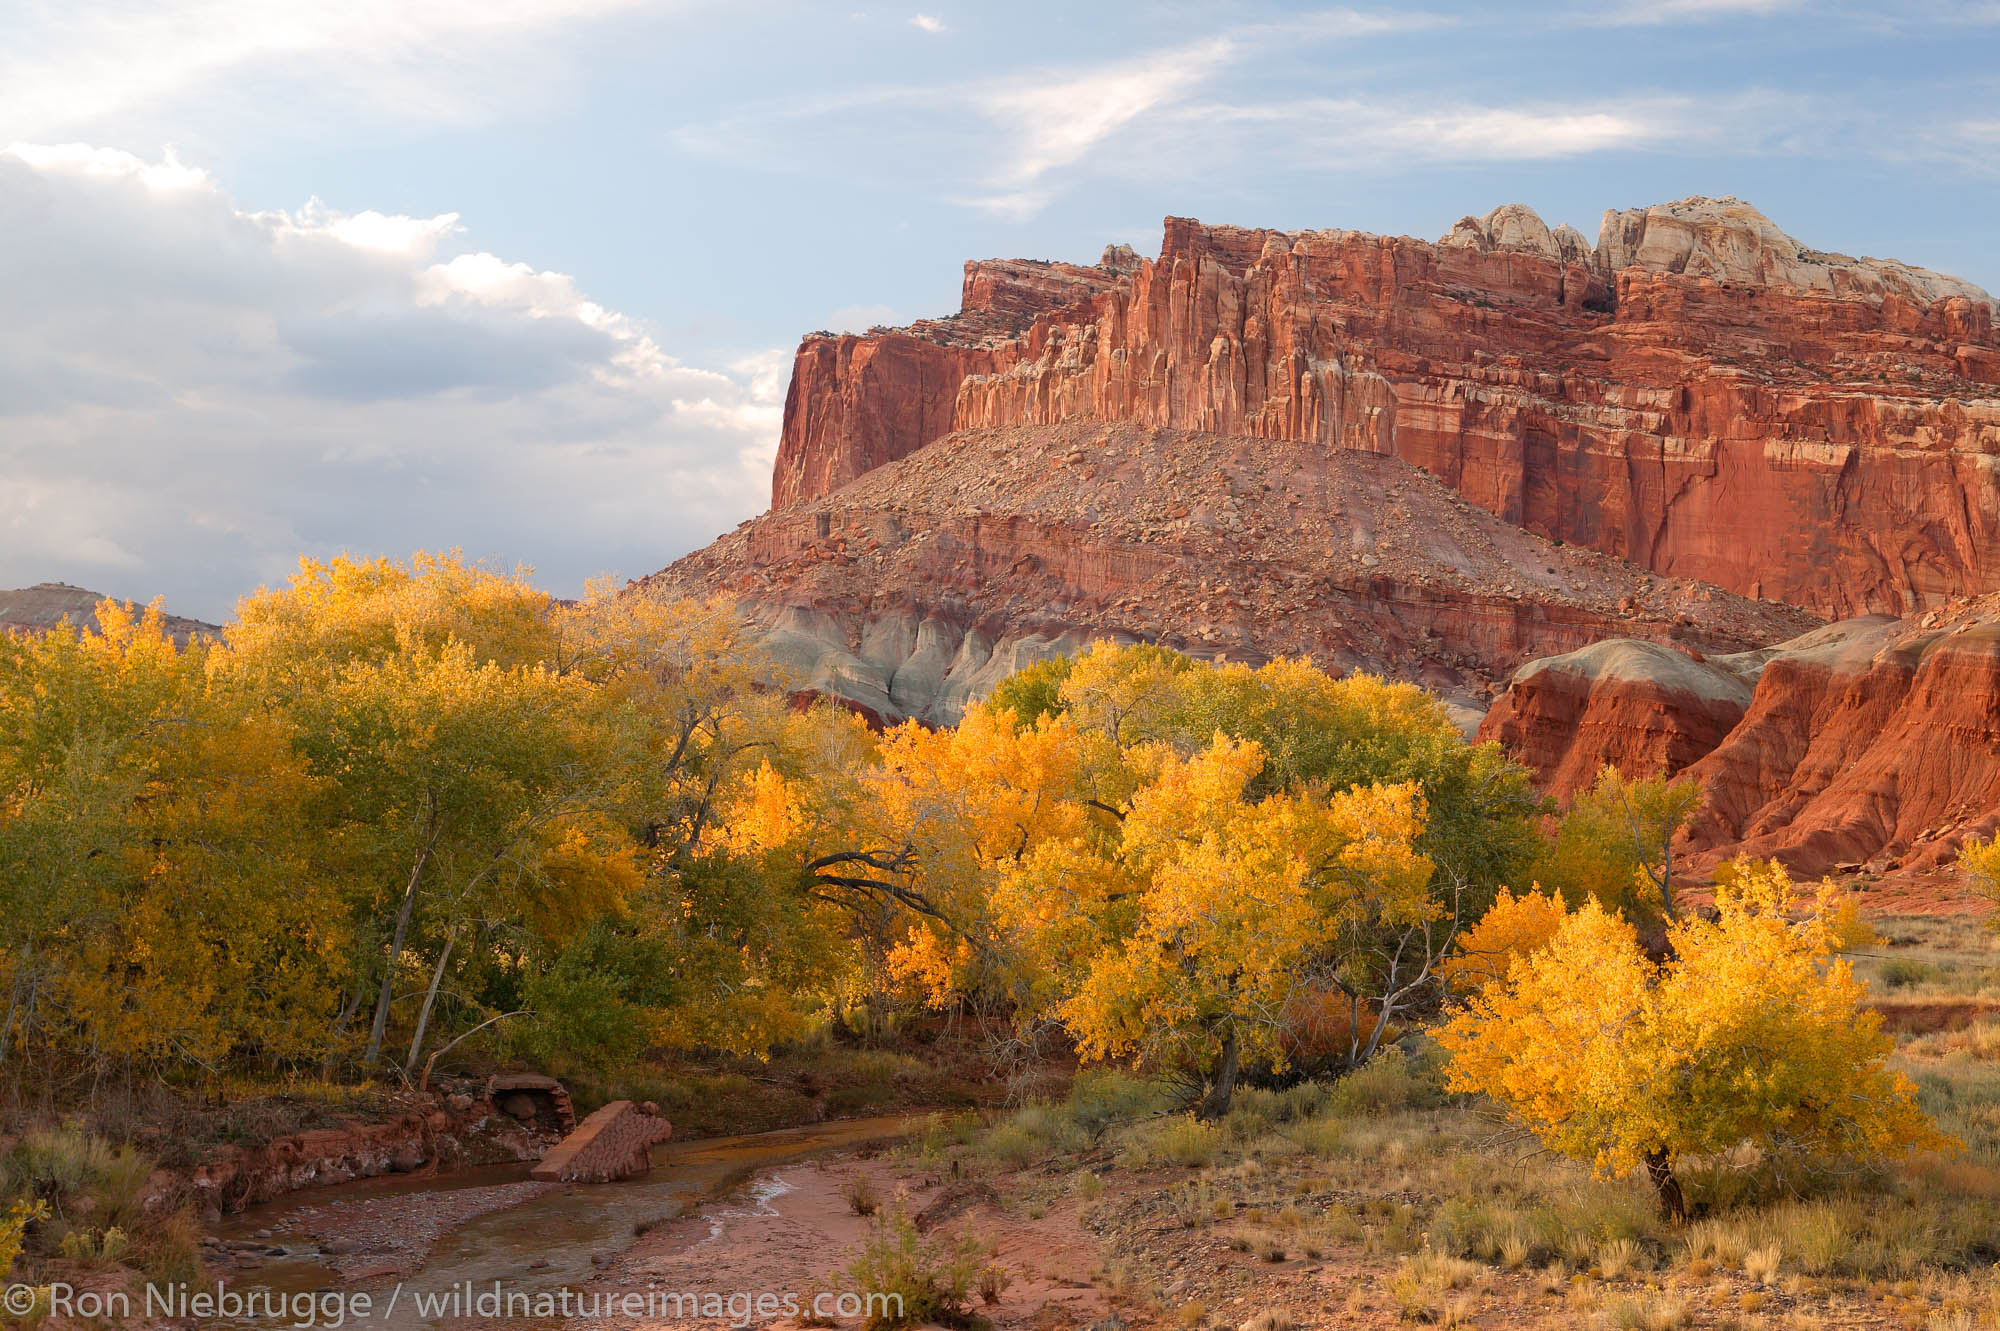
point(544, 1236)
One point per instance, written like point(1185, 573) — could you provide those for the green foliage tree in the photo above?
point(1616, 844)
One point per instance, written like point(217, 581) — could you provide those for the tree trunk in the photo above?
point(403, 913)
point(347, 1010)
point(430, 1000)
point(1673, 1203)
point(1216, 1103)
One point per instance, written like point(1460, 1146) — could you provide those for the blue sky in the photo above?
point(524, 276)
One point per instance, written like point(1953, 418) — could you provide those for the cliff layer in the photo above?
point(928, 580)
point(1697, 393)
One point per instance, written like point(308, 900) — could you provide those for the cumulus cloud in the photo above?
point(191, 395)
point(930, 23)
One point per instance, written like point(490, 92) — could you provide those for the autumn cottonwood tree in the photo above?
point(1980, 862)
point(908, 840)
point(1026, 855)
point(1750, 1033)
point(458, 777)
point(1219, 908)
point(1616, 843)
point(144, 815)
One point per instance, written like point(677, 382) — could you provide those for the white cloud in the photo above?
point(930, 23)
point(191, 395)
point(1655, 13)
point(1009, 145)
point(1055, 122)
point(67, 66)
point(1330, 134)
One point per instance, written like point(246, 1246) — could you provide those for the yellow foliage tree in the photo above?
point(1980, 861)
point(1230, 906)
point(14, 1227)
point(1750, 1034)
point(145, 819)
point(1514, 927)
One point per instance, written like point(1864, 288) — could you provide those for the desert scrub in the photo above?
point(915, 1279)
point(1646, 1312)
point(1319, 1137)
point(1188, 1142)
point(939, 1133)
point(1905, 973)
point(1104, 1098)
point(1420, 1285)
point(1013, 1145)
point(860, 1195)
point(1390, 1081)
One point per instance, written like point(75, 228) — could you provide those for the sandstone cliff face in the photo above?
point(1698, 393)
point(857, 402)
point(927, 581)
point(1881, 751)
point(1870, 745)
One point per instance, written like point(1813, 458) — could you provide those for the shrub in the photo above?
point(1617, 1258)
point(1013, 1145)
point(1188, 1142)
point(1103, 1098)
point(860, 1195)
point(1193, 1204)
point(54, 1163)
point(1274, 1319)
point(1390, 1081)
point(1421, 1282)
point(1319, 1136)
point(1646, 1313)
point(1905, 972)
point(920, 1280)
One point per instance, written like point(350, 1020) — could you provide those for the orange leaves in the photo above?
point(1512, 928)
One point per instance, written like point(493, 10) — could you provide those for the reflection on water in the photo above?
point(542, 1243)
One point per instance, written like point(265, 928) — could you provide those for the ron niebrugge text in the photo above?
point(329, 1310)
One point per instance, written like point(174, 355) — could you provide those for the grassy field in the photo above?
point(1378, 1199)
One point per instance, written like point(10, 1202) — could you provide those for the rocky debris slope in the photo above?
point(39, 608)
point(1698, 393)
point(1870, 746)
point(927, 581)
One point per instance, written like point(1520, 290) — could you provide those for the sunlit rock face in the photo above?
point(1697, 393)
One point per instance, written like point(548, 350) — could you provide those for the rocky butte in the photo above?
point(1698, 394)
point(1623, 487)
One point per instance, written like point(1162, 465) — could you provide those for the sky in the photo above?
point(524, 277)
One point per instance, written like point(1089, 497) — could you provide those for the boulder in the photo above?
point(614, 1143)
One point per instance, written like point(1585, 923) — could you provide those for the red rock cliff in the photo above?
point(1698, 393)
point(1872, 744)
